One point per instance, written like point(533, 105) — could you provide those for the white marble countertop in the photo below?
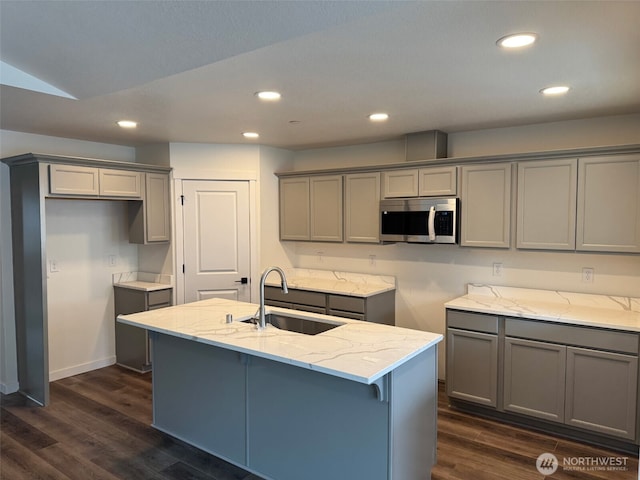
point(341, 283)
point(147, 282)
point(605, 311)
point(358, 351)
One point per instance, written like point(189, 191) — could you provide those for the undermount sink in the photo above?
point(298, 325)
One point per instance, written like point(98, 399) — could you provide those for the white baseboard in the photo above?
point(82, 368)
point(9, 387)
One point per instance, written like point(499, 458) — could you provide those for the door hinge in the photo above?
point(181, 199)
point(183, 268)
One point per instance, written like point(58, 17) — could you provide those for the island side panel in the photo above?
point(414, 408)
point(199, 395)
point(308, 425)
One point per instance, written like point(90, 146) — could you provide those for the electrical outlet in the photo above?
point(320, 254)
point(497, 269)
point(112, 260)
point(587, 275)
point(372, 260)
point(53, 266)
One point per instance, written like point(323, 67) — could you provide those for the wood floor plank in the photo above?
point(20, 462)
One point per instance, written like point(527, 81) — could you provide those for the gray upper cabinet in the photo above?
point(82, 181)
point(326, 208)
point(609, 204)
point(422, 182)
point(400, 183)
point(362, 207)
point(120, 183)
point(73, 180)
point(150, 220)
point(294, 208)
point(437, 181)
point(311, 208)
point(547, 204)
point(486, 205)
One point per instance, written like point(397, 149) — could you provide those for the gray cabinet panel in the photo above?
point(326, 208)
point(572, 335)
point(486, 205)
point(120, 183)
point(199, 395)
point(477, 322)
point(298, 418)
point(73, 180)
point(534, 378)
point(149, 219)
point(350, 304)
point(295, 220)
point(602, 392)
point(546, 217)
point(362, 206)
point(437, 181)
point(400, 183)
point(609, 204)
point(472, 366)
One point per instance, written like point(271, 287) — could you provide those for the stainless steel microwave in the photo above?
point(419, 220)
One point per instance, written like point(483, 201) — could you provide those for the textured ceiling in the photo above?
point(187, 71)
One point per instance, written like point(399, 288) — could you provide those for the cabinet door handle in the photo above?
point(243, 281)
point(432, 223)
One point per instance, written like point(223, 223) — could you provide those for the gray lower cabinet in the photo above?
point(570, 375)
point(132, 343)
point(534, 378)
point(602, 391)
point(378, 308)
point(472, 357)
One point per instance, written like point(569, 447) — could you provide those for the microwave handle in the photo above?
point(431, 224)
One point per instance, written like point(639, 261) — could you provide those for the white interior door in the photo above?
point(216, 240)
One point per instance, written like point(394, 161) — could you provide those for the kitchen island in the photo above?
point(356, 401)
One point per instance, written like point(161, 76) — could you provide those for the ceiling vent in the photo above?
point(427, 145)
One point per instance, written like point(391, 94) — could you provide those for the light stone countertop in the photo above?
point(605, 311)
point(358, 351)
point(341, 283)
point(147, 282)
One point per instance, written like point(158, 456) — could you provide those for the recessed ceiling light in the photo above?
point(127, 124)
point(269, 95)
point(250, 134)
point(378, 117)
point(517, 40)
point(556, 90)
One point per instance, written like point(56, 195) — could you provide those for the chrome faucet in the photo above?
point(285, 289)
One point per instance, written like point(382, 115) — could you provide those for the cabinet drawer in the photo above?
point(159, 297)
point(349, 304)
point(353, 315)
point(308, 308)
point(276, 303)
point(478, 322)
point(572, 335)
point(303, 297)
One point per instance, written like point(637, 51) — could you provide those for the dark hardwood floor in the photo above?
point(97, 427)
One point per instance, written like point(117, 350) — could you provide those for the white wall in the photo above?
point(16, 143)
point(429, 275)
point(81, 235)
